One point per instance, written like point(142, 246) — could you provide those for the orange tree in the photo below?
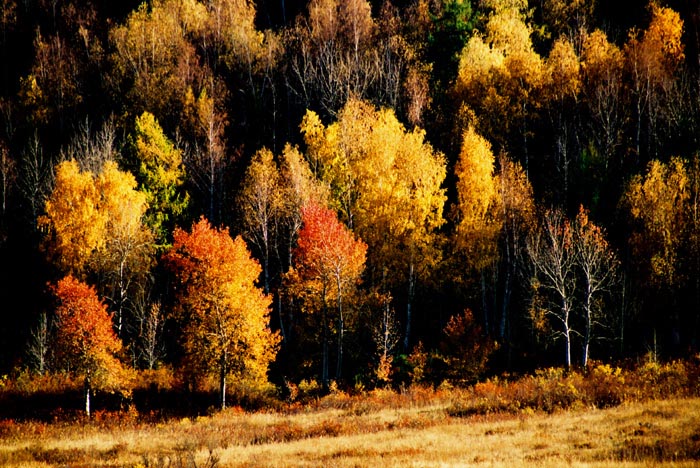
point(85, 341)
point(222, 312)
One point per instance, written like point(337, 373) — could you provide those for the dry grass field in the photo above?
point(379, 429)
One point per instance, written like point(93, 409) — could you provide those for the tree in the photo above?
point(598, 266)
point(386, 183)
point(477, 222)
point(602, 66)
point(85, 341)
point(561, 90)
point(74, 224)
point(154, 61)
point(551, 251)
point(206, 162)
point(517, 214)
point(224, 316)
point(8, 175)
point(334, 55)
point(260, 202)
point(160, 176)
point(653, 58)
point(329, 255)
point(500, 75)
point(657, 203)
point(127, 254)
point(465, 348)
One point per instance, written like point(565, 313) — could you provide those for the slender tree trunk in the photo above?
point(505, 304)
point(324, 358)
point(587, 332)
point(567, 336)
point(484, 305)
point(223, 368)
point(341, 326)
point(409, 312)
point(87, 394)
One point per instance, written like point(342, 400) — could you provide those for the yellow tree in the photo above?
point(260, 202)
point(224, 315)
point(75, 226)
point(602, 65)
point(386, 182)
point(500, 76)
point(653, 58)
point(476, 217)
point(658, 205)
point(127, 255)
point(476, 229)
point(153, 60)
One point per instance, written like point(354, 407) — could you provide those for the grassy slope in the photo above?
point(638, 434)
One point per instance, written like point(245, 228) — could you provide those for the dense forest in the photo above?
point(347, 191)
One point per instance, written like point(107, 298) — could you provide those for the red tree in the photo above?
point(329, 257)
point(85, 341)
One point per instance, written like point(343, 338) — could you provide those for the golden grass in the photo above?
point(365, 432)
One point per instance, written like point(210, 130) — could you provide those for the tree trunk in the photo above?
point(567, 337)
point(588, 319)
point(409, 312)
point(324, 359)
point(341, 326)
point(87, 394)
point(222, 381)
point(484, 305)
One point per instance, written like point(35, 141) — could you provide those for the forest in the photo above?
point(350, 192)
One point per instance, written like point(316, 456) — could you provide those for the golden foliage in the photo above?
point(223, 314)
point(658, 203)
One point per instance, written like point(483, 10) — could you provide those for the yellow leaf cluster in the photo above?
point(91, 219)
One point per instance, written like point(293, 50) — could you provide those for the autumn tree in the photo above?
point(386, 183)
point(553, 256)
point(260, 201)
point(153, 60)
point(224, 316)
point(562, 90)
point(127, 255)
point(477, 226)
point(602, 65)
point(271, 200)
point(160, 176)
point(206, 162)
point(85, 341)
point(465, 348)
point(653, 58)
point(657, 202)
point(75, 227)
point(598, 268)
point(329, 257)
point(499, 76)
point(516, 206)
